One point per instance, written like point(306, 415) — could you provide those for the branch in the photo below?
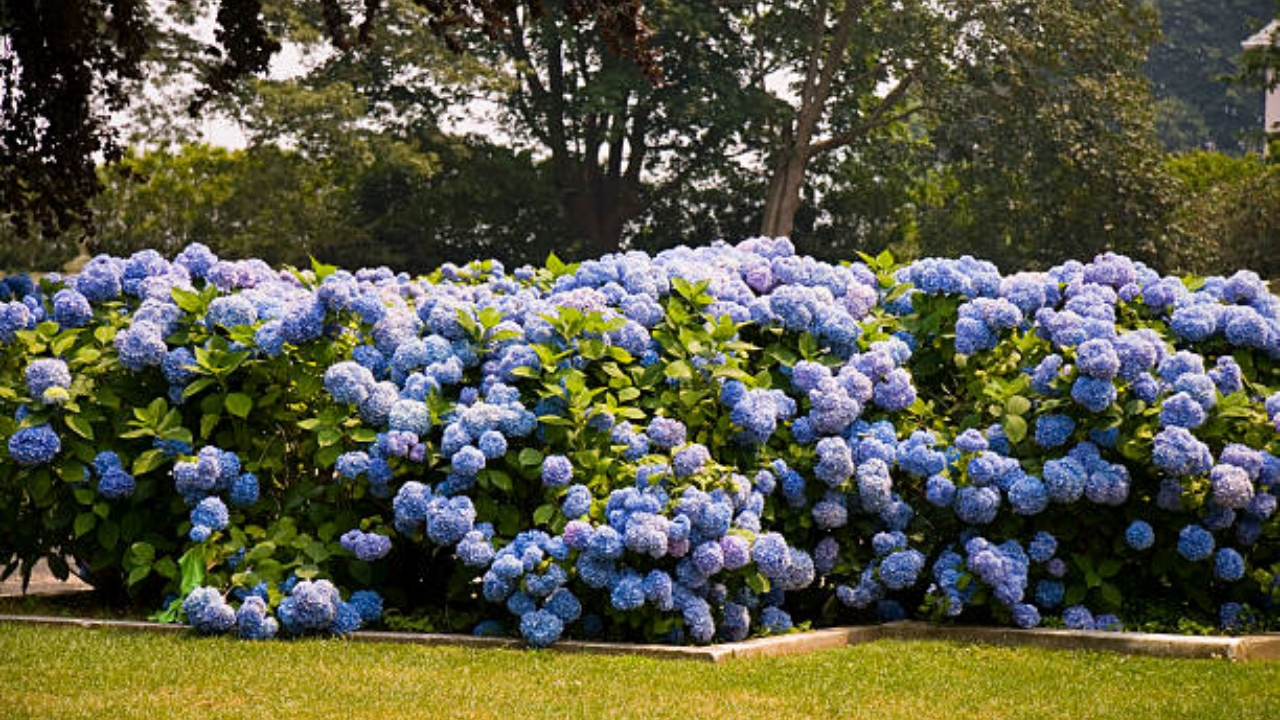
point(877, 119)
point(815, 56)
point(835, 53)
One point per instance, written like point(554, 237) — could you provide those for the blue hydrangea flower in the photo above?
point(1231, 486)
point(900, 569)
point(1025, 616)
point(36, 445)
point(1195, 543)
point(71, 309)
point(557, 471)
point(971, 441)
point(540, 628)
point(1228, 565)
point(244, 491)
point(349, 382)
point(253, 622)
point(1179, 453)
point(875, 486)
point(1078, 617)
point(1094, 394)
point(367, 547)
point(208, 612)
point(835, 461)
point(368, 604)
point(211, 513)
point(1042, 547)
point(977, 505)
point(940, 491)
point(1140, 535)
point(665, 433)
point(1049, 593)
point(115, 484)
point(1098, 359)
point(1054, 430)
point(493, 444)
point(46, 373)
point(577, 502)
point(1182, 410)
point(690, 459)
point(775, 620)
point(468, 461)
point(141, 345)
point(351, 465)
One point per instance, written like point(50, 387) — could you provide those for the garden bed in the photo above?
point(691, 449)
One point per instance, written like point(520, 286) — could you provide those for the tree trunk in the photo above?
point(784, 194)
point(596, 207)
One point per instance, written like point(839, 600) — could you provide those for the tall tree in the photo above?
point(619, 144)
point(851, 67)
point(1053, 80)
point(65, 65)
point(1047, 149)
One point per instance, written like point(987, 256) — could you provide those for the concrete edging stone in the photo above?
point(1239, 649)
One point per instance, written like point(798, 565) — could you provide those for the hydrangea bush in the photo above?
point(703, 445)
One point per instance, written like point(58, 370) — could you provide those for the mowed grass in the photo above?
point(79, 673)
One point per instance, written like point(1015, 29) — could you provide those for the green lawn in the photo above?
point(77, 673)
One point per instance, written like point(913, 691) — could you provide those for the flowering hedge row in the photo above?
point(703, 445)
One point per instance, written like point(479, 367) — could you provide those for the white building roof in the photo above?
point(1269, 35)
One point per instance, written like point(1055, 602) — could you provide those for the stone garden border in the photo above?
point(1246, 648)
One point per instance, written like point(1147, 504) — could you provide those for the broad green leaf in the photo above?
point(1017, 405)
point(238, 404)
point(142, 552)
point(148, 461)
point(85, 522)
point(1015, 427)
point(543, 514)
point(80, 426)
point(187, 300)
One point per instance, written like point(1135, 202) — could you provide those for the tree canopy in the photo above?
point(67, 65)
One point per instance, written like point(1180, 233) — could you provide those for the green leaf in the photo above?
point(530, 457)
point(758, 583)
point(85, 522)
point(500, 480)
point(187, 300)
point(325, 457)
point(62, 344)
point(1015, 427)
point(679, 370)
point(192, 565)
point(1017, 405)
point(142, 553)
point(364, 435)
point(238, 404)
point(196, 386)
point(1110, 567)
point(207, 423)
point(165, 567)
point(148, 461)
point(543, 514)
point(80, 426)
point(138, 574)
point(108, 535)
point(1111, 595)
point(322, 270)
